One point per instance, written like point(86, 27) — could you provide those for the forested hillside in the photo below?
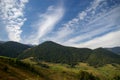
point(56, 53)
point(12, 49)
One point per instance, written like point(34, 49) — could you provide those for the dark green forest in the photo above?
point(53, 52)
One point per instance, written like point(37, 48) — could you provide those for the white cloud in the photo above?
point(71, 26)
point(106, 22)
point(47, 22)
point(82, 15)
point(60, 36)
point(95, 4)
point(12, 14)
point(100, 25)
point(111, 39)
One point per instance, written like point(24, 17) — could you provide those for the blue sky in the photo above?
point(77, 23)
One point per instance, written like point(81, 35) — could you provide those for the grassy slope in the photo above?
point(9, 71)
point(53, 71)
point(106, 72)
point(18, 72)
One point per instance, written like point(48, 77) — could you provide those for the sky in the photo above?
point(77, 23)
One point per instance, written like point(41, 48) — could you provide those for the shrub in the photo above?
point(83, 75)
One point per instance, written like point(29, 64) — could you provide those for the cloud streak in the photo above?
point(12, 15)
point(105, 23)
point(108, 40)
point(46, 23)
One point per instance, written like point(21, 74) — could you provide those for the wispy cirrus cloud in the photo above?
point(76, 23)
point(12, 15)
point(46, 23)
point(96, 21)
point(111, 39)
point(105, 23)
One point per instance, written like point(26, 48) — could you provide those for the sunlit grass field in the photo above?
point(105, 72)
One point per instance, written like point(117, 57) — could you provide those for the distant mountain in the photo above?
point(53, 52)
point(1, 42)
point(102, 56)
point(12, 49)
point(114, 49)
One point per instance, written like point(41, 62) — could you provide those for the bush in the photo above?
point(83, 75)
point(43, 65)
point(116, 78)
point(5, 68)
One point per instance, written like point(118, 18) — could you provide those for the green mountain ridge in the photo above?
point(101, 56)
point(12, 49)
point(53, 52)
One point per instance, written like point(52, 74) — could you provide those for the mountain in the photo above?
point(56, 53)
point(102, 56)
point(53, 52)
point(12, 49)
point(1, 42)
point(114, 49)
point(50, 60)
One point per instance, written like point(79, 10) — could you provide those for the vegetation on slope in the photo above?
point(53, 52)
point(12, 49)
point(12, 69)
point(31, 70)
point(100, 57)
point(51, 61)
point(106, 72)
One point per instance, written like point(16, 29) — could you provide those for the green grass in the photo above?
point(53, 71)
point(106, 72)
point(16, 71)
